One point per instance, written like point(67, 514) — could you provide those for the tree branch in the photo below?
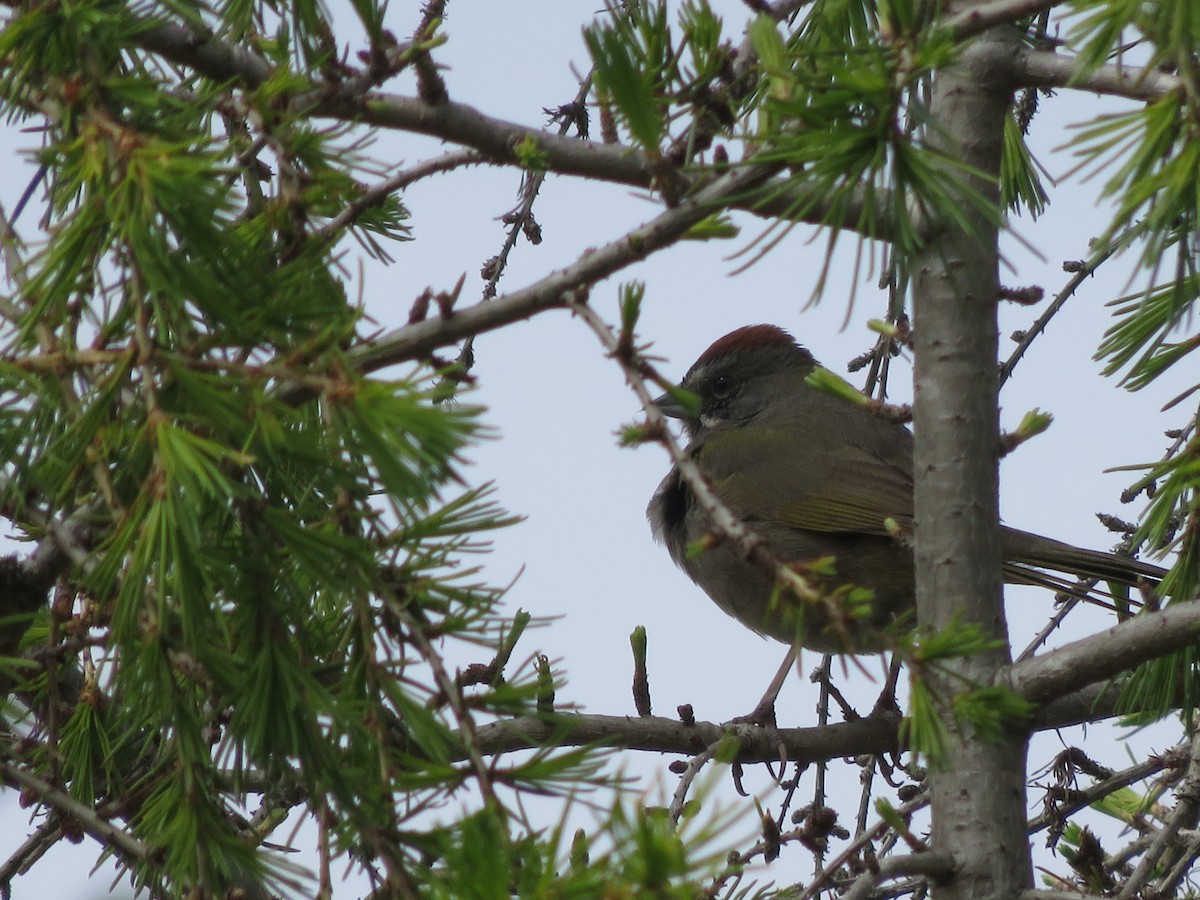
point(1110, 652)
point(497, 139)
point(1081, 799)
point(1030, 334)
point(934, 865)
point(1047, 69)
point(107, 834)
point(980, 17)
point(875, 734)
point(378, 192)
point(420, 338)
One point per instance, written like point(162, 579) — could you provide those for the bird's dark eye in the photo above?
point(722, 387)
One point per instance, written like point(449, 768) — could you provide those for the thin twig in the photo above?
point(821, 676)
point(725, 522)
point(418, 339)
point(34, 848)
point(695, 764)
point(466, 724)
point(859, 843)
point(1086, 797)
point(518, 221)
point(1030, 334)
point(1187, 802)
point(377, 193)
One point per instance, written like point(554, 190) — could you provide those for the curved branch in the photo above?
point(380, 191)
point(352, 100)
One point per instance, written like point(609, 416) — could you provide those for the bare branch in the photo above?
point(934, 865)
point(1118, 649)
point(103, 831)
point(353, 101)
point(980, 17)
point(377, 193)
point(695, 764)
point(1046, 69)
point(1081, 274)
point(552, 292)
point(875, 734)
point(862, 840)
point(1101, 789)
point(34, 848)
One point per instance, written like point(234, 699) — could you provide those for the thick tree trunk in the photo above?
point(979, 800)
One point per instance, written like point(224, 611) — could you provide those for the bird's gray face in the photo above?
point(731, 393)
point(736, 387)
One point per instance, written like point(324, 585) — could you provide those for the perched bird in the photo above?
point(817, 477)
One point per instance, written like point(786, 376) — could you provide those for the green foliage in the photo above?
point(842, 110)
point(654, 74)
point(944, 706)
point(1171, 521)
point(834, 385)
point(712, 228)
point(632, 295)
point(1020, 182)
point(1160, 686)
point(530, 155)
point(839, 107)
point(1151, 158)
point(631, 61)
point(1170, 29)
point(633, 852)
point(277, 540)
point(979, 713)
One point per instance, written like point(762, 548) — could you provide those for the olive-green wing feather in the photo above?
point(817, 488)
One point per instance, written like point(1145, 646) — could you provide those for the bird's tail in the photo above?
point(1028, 549)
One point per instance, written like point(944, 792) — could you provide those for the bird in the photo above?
point(828, 484)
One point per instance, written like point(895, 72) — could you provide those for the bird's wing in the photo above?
point(859, 494)
point(829, 489)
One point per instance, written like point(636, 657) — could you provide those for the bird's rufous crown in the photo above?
point(745, 338)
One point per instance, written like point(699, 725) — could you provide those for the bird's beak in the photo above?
point(679, 403)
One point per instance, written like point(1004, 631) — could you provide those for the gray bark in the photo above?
point(978, 800)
